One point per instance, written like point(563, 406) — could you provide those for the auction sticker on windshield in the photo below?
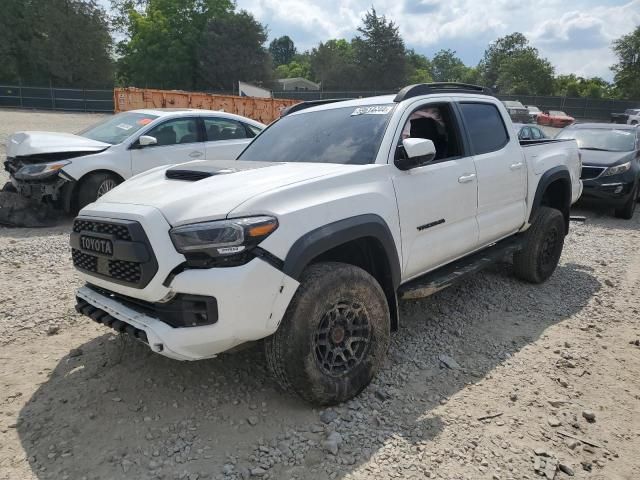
point(373, 110)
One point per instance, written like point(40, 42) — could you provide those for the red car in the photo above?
point(555, 118)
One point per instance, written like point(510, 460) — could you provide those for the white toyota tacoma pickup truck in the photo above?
point(327, 218)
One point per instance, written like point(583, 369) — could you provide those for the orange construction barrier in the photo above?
point(263, 110)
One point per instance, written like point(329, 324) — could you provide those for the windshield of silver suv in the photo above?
point(610, 140)
point(348, 135)
point(118, 128)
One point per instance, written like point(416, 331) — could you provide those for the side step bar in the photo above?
point(443, 277)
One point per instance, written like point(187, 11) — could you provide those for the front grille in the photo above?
point(126, 271)
point(130, 260)
point(84, 261)
point(121, 232)
point(591, 172)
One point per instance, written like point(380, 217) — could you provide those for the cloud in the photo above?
point(576, 36)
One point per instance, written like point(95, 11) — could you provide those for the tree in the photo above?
point(418, 68)
point(512, 66)
point(525, 73)
point(379, 53)
point(333, 65)
point(40, 43)
point(282, 50)
point(163, 38)
point(447, 67)
point(233, 49)
point(294, 69)
point(627, 70)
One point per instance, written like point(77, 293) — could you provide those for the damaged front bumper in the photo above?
point(53, 187)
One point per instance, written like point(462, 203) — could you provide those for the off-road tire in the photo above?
point(294, 356)
point(626, 211)
point(542, 248)
point(92, 187)
point(8, 187)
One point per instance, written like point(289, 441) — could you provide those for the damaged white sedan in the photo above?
point(70, 171)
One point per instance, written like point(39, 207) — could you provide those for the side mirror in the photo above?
point(419, 152)
point(146, 140)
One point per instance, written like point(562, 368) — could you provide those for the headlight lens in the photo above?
point(222, 238)
point(617, 169)
point(39, 170)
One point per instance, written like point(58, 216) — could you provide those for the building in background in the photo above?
point(297, 84)
point(248, 90)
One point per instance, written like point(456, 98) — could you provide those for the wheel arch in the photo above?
point(554, 190)
point(364, 241)
point(70, 199)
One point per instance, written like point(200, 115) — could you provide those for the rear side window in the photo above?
point(485, 126)
point(224, 129)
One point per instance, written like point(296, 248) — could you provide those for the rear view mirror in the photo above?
point(146, 140)
point(419, 152)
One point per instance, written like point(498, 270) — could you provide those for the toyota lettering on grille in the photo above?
point(97, 245)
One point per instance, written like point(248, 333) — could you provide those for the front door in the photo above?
point(437, 202)
point(179, 140)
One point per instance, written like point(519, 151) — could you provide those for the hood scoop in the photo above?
point(199, 170)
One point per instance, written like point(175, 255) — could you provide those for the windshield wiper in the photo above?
point(595, 148)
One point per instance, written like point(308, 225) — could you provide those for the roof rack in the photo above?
point(311, 103)
point(440, 87)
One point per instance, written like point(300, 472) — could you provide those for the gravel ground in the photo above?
point(491, 379)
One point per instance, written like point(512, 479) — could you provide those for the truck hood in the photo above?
point(604, 159)
point(208, 190)
point(22, 144)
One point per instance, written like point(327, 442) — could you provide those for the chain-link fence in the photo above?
point(88, 100)
point(51, 98)
point(583, 108)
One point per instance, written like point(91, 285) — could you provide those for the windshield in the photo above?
point(601, 139)
point(557, 113)
point(513, 105)
point(349, 135)
point(118, 128)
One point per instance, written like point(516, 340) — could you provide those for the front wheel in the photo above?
point(543, 245)
point(334, 336)
point(94, 186)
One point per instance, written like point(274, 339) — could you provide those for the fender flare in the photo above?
point(324, 238)
point(557, 173)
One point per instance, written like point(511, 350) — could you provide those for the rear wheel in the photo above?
point(543, 245)
point(94, 186)
point(334, 336)
point(626, 211)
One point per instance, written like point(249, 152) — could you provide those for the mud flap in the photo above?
point(19, 211)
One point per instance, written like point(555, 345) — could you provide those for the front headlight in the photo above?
point(616, 169)
point(39, 170)
point(208, 243)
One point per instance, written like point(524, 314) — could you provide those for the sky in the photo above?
point(575, 35)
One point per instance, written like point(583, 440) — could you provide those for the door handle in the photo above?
point(195, 154)
point(466, 178)
point(516, 166)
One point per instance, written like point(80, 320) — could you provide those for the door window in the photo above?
point(486, 129)
point(224, 129)
point(174, 132)
point(525, 133)
point(536, 133)
point(434, 122)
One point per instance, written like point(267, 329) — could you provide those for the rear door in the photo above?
point(179, 140)
point(226, 138)
point(501, 170)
